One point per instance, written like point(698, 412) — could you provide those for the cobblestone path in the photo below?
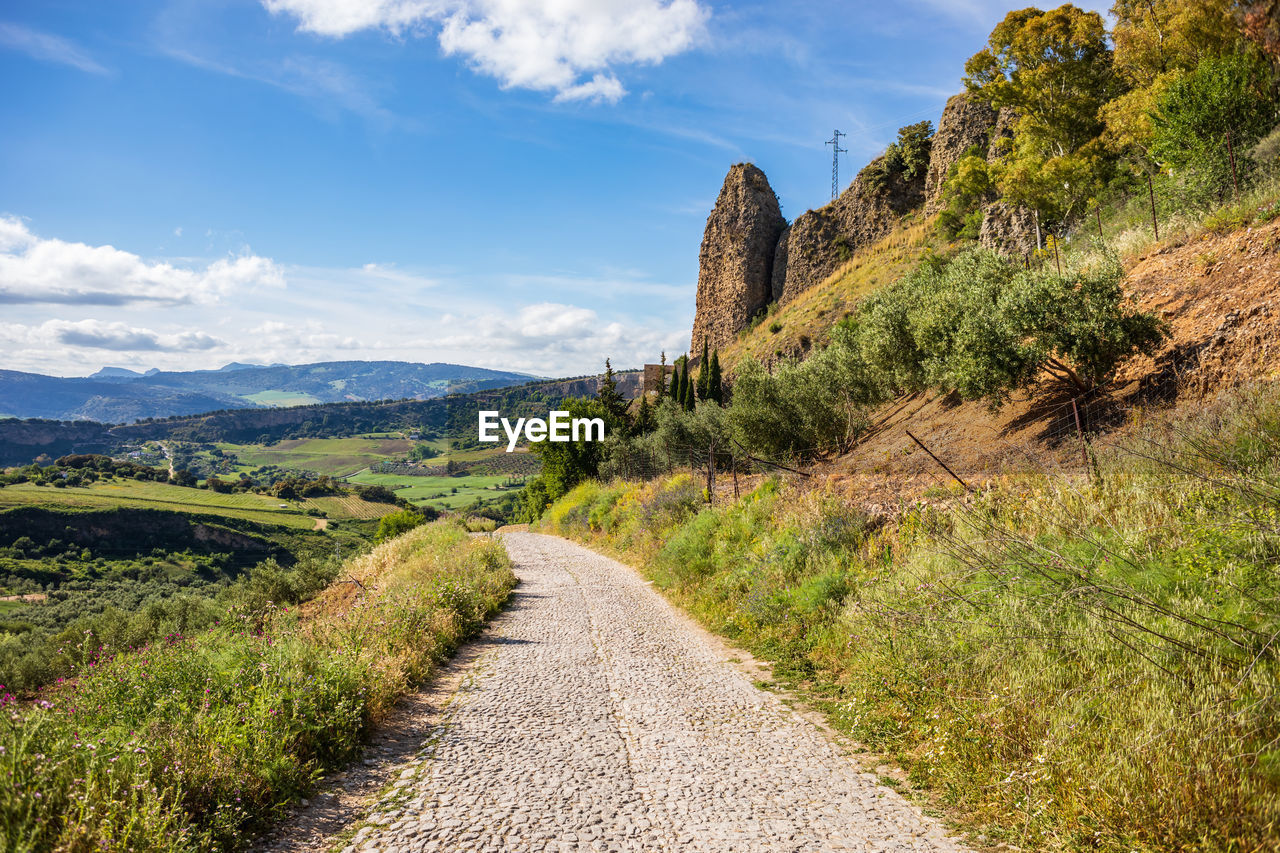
point(601, 719)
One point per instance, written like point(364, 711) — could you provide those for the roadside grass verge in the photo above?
point(195, 742)
point(1066, 664)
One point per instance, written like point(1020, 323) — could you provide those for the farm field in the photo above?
point(419, 490)
point(131, 493)
point(282, 398)
point(332, 456)
point(336, 507)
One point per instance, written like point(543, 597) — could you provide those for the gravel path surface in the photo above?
point(599, 718)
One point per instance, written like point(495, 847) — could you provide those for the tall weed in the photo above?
point(192, 743)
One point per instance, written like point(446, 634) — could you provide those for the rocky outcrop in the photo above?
point(1006, 228)
point(1001, 133)
point(805, 255)
point(965, 122)
point(735, 264)
point(819, 241)
point(750, 256)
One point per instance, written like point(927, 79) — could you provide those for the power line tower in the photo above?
point(836, 151)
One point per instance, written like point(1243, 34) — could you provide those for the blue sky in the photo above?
point(507, 184)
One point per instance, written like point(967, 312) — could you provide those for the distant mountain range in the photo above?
point(118, 395)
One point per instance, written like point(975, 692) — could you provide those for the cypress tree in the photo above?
point(715, 389)
point(608, 394)
point(689, 396)
point(644, 417)
point(704, 374)
point(677, 396)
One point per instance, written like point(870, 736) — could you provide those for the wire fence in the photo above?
point(1227, 171)
point(1061, 437)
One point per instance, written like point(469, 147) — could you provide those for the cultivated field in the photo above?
point(332, 456)
point(149, 495)
point(282, 398)
point(349, 459)
point(348, 507)
point(436, 491)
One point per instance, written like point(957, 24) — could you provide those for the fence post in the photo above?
point(711, 473)
point(1235, 181)
point(1155, 226)
point(733, 467)
point(1084, 450)
point(1098, 212)
point(1056, 261)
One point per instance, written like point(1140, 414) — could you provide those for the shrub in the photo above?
point(983, 327)
point(397, 523)
point(1229, 94)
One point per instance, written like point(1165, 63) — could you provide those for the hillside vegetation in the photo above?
point(1064, 663)
point(1073, 648)
point(199, 739)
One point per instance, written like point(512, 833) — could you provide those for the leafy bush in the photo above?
point(396, 524)
point(983, 327)
point(802, 408)
point(1233, 94)
point(968, 185)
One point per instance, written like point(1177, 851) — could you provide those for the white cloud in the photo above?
point(599, 89)
point(390, 274)
point(47, 48)
point(545, 45)
point(307, 337)
point(554, 339)
point(38, 270)
point(325, 83)
point(344, 17)
point(96, 334)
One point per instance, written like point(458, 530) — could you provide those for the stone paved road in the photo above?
point(600, 719)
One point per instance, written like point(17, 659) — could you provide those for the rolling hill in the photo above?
point(116, 395)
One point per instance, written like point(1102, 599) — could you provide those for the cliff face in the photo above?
point(735, 264)
point(965, 122)
point(819, 241)
point(1006, 228)
point(751, 257)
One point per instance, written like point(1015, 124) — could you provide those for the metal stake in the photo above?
point(1155, 226)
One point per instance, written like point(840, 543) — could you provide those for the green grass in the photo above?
point(348, 506)
point(1067, 665)
point(435, 491)
point(282, 398)
point(810, 314)
point(147, 494)
point(193, 743)
point(332, 456)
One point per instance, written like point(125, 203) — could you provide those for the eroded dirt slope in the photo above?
point(1218, 293)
